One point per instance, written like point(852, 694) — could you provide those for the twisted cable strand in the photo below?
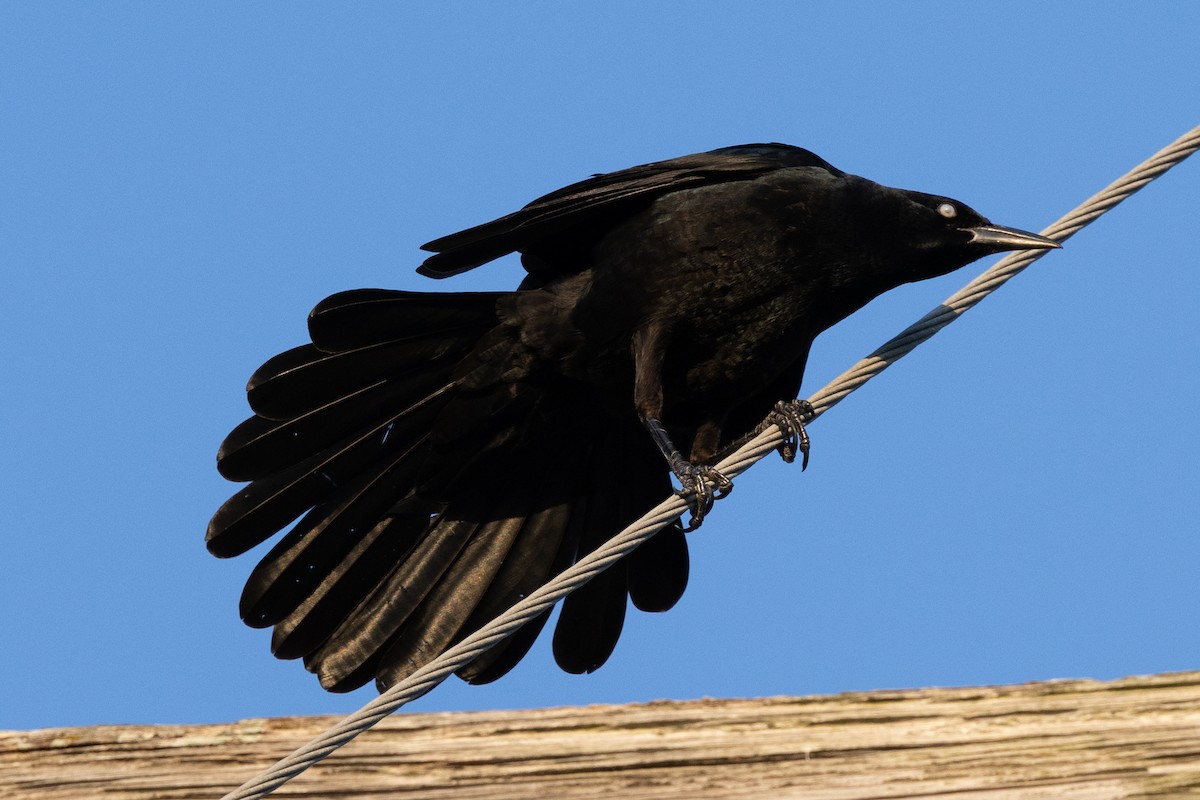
point(433, 673)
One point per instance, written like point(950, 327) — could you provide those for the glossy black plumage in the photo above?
point(445, 454)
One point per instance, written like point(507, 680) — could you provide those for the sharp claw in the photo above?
point(699, 503)
point(790, 416)
point(705, 486)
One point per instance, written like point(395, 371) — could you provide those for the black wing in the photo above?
point(577, 215)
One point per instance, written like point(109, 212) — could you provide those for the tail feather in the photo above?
point(269, 504)
point(272, 394)
point(363, 317)
point(506, 560)
point(546, 547)
point(542, 549)
point(658, 570)
point(305, 378)
point(593, 616)
point(321, 613)
point(437, 621)
point(260, 447)
point(499, 661)
point(320, 542)
point(440, 486)
point(364, 635)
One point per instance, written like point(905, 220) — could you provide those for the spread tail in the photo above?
point(435, 485)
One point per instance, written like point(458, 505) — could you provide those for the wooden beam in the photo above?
point(1137, 737)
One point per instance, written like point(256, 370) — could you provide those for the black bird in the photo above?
point(449, 452)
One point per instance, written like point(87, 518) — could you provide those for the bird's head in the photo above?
point(941, 234)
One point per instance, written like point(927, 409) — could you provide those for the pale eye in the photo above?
point(947, 210)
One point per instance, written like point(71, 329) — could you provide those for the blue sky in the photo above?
point(181, 183)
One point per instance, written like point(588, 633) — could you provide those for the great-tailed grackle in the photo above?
point(453, 451)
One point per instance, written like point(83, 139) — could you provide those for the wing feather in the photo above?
point(612, 195)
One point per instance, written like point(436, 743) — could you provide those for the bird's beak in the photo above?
point(998, 237)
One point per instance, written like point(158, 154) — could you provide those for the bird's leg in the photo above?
point(703, 484)
point(790, 416)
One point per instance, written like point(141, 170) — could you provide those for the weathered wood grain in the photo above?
point(1133, 738)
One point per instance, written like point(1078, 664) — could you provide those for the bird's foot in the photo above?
point(702, 486)
point(790, 416)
